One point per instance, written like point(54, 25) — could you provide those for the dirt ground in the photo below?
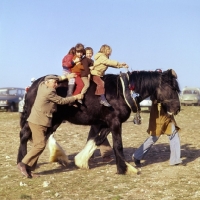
point(156, 181)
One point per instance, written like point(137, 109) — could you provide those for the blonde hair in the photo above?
point(104, 48)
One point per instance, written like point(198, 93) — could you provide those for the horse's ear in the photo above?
point(129, 73)
point(173, 73)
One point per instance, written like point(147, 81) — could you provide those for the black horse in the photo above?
point(103, 120)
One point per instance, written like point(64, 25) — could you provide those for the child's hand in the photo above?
point(71, 75)
point(91, 68)
point(124, 65)
point(76, 60)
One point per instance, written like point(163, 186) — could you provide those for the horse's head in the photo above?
point(168, 92)
point(161, 86)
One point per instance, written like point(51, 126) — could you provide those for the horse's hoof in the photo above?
point(131, 169)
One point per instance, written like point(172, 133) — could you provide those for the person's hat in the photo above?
point(32, 80)
point(51, 77)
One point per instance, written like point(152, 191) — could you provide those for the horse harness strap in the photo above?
point(126, 92)
point(130, 100)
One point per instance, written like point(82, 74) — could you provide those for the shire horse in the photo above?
point(105, 120)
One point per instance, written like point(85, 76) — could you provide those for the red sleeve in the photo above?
point(67, 61)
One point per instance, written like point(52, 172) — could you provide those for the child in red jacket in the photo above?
point(68, 63)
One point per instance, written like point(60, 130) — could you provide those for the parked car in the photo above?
point(146, 104)
point(10, 97)
point(190, 96)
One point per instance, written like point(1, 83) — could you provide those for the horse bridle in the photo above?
point(130, 100)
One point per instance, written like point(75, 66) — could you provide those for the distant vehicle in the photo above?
point(10, 97)
point(190, 96)
point(146, 104)
point(22, 102)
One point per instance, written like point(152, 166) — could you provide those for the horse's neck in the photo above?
point(146, 86)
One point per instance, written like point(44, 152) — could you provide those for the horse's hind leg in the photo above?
point(25, 135)
point(57, 154)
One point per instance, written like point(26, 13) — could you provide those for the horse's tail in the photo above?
point(23, 117)
point(29, 100)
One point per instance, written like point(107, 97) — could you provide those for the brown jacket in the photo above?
point(101, 64)
point(86, 62)
point(78, 67)
point(45, 105)
point(160, 123)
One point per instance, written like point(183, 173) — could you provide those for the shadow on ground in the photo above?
point(159, 153)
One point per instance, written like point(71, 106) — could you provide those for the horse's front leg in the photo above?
point(122, 166)
point(82, 158)
point(25, 136)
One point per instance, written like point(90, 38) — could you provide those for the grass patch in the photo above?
point(157, 179)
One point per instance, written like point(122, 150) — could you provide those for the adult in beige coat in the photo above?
point(160, 123)
point(41, 118)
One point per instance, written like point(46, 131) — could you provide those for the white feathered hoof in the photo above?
point(81, 159)
point(57, 154)
point(131, 169)
point(81, 162)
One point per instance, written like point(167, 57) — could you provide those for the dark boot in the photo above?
point(136, 161)
point(70, 90)
point(104, 102)
point(22, 167)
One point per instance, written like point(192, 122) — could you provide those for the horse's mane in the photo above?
point(112, 84)
point(148, 80)
point(141, 81)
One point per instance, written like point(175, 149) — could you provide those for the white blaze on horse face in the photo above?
point(81, 159)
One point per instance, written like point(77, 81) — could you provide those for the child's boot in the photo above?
point(104, 102)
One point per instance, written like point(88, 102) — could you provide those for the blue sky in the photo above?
point(146, 34)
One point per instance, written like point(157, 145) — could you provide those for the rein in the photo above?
point(130, 101)
point(128, 96)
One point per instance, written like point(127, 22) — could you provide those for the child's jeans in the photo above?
point(71, 81)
